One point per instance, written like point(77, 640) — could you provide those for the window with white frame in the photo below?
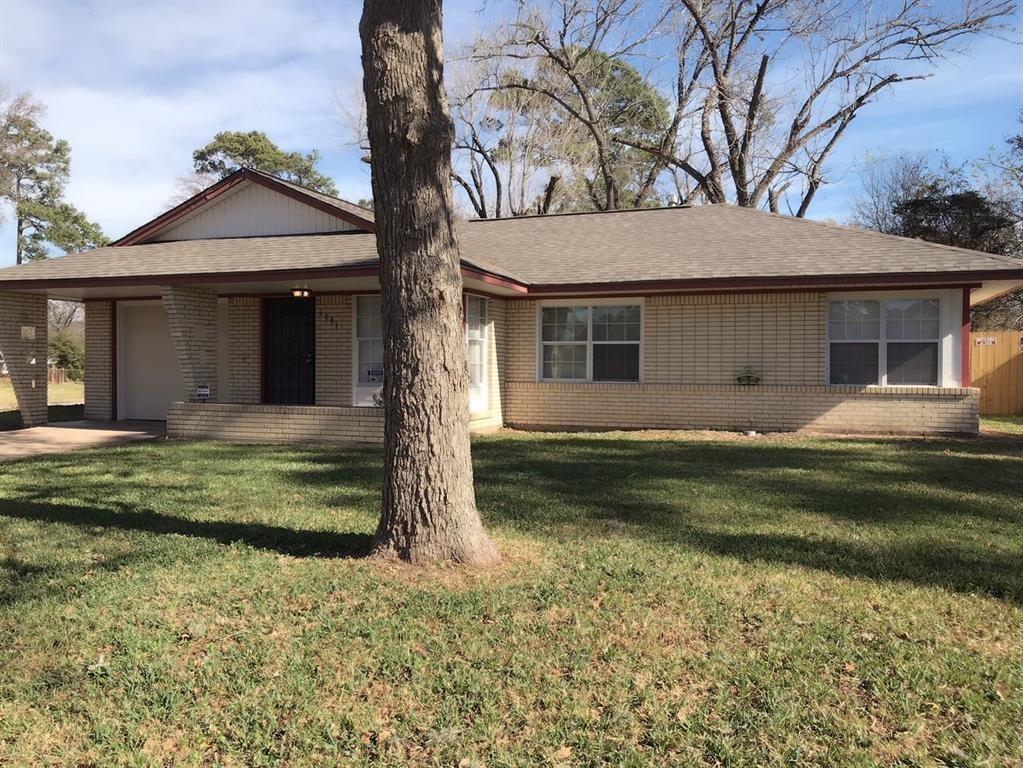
point(369, 348)
point(884, 341)
point(476, 334)
point(590, 342)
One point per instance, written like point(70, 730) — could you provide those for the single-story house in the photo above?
point(252, 312)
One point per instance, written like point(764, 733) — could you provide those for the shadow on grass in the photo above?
point(55, 413)
point(939, 512)
point(935, 513)
point(283, 540)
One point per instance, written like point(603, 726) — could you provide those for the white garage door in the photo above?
point(147, 371)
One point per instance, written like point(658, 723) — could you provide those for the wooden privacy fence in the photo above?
point(996, 366)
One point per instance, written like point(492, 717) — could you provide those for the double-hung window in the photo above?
point(596, 342)
point(476, 334)
point(884, 341)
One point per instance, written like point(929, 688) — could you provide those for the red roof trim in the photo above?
point(175, 214)
point(496, 280)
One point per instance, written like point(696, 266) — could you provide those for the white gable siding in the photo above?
point(254, 211)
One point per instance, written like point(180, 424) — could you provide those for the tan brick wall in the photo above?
point(710, 339)
point(334, 350)
point(244, 324)
point(99, 357)
point(275, 423)
point(695, 346)
point(25, 358)
point(192, 318)
point(764, 408)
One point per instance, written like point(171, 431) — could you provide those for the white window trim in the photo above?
point(484, 407)
point(607, 301)
point(360, 399)
point(949, 330)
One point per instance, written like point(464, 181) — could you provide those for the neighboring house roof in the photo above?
point(360, 217)
point(700, 247)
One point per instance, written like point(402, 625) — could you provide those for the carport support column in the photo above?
point(23, 340)
point(192, 317)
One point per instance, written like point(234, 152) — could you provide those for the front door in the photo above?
point(289, 360)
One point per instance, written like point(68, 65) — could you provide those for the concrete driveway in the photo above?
point(73, 436)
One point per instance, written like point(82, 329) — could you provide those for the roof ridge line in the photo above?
point(580, 213)
point(998, 258)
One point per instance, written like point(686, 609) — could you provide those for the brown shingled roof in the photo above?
point(705, 243)
point(702, 242)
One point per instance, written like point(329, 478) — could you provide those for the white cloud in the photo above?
point(153, 82)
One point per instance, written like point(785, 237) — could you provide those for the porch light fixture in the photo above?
point(300, 293)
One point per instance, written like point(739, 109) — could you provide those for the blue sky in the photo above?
point(135, 87)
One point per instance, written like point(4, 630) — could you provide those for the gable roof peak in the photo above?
point(358, 216)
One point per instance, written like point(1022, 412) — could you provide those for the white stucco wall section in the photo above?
point(253, 211)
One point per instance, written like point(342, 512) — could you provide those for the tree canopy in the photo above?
point(908, 197)
point(34, 171)
point(231, 150)
point(752, 97)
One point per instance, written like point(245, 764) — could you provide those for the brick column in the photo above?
point(192, 317)
point(23, 340)
point(99, 360)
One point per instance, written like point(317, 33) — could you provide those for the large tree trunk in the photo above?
point(429, 506)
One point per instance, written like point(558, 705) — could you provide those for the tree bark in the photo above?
point(429, 506)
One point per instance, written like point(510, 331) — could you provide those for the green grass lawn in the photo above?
point(65, 404)
point(664, 602)
point(1011, 424)
point(68, 393)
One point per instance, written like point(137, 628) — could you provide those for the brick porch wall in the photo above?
point(275, 423)
point(26, 358)
point(192, 318)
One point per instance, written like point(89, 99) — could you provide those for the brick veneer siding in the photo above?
point(244, 345)
point(192, 318)
point(99, 360)
point(334, 350)
point(26, 358)
point(694, 346)
point(675, 406)
point(275, 423)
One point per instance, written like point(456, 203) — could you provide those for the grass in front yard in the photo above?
point(665, 601)
point(1011, 424)
point(65, 402)
point(68, 393)
point(55, 413)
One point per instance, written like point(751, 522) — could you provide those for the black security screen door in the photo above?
point(289, 344)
